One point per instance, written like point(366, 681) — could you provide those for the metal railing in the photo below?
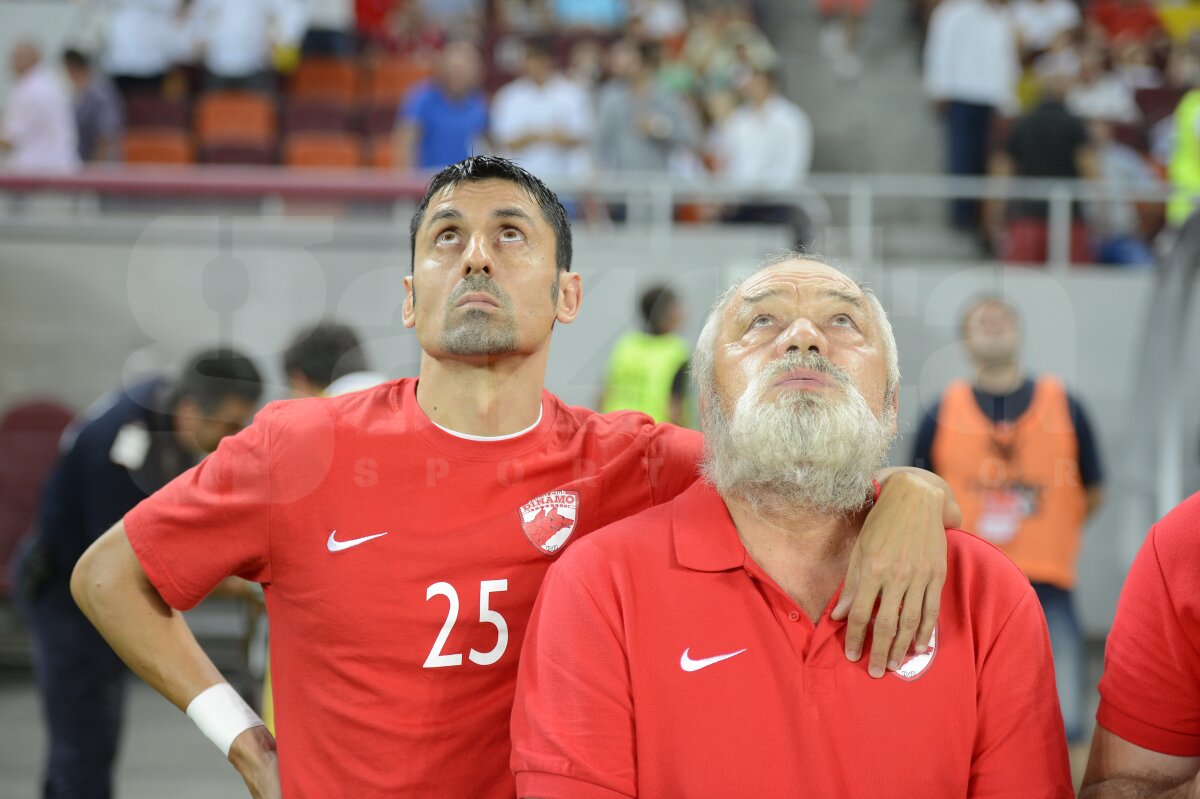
point(650, 200)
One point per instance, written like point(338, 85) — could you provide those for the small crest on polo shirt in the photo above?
point(916, 665)
point(549, 520)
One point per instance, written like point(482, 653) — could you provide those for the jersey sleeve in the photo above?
point(572, 721)
point(211, 522)
point(1150, 690)
point(673, 456)
point(1020, 746)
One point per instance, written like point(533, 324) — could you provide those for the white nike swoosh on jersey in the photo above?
point(338, 546)
point(687, 664)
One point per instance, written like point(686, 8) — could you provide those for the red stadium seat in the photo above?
point(29, 435)
point(380, 153)
point(159, 146)
point(391, 80)
point(325, 79)
point(236, 128)
point(1157, 104)
point(316, 115)
point(154, 111)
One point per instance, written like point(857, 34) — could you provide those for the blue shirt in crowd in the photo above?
point(450, 129)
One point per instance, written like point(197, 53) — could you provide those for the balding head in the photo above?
point(25, 56)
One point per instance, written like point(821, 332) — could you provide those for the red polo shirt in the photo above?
point(662, 661)
point(1150, 691)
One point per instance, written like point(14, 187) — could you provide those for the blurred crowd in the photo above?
point(1058, 88)
point(570, 88)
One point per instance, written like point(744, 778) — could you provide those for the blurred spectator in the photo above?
point(585, 65)
point(235, 39)
point(1184, 166)
point(1048, 142)
point(1120, 19)
point(1183, 65)
point(543, 120)
point(525, 16)
point(640, 123)
point(591, 15)
point(461, 18)
point(1115, 224)
point(141, 42)
point(327, 360)
point(38, 127)
point(647, 370)
point(1060, 61)
point(971, 72)
point(331, 29)
point(661, 20)
point(767, 142)
point(841, 20)
point(444, 120)
point(1040, 22)
point(722, 42)
point(1135, 66)
point(128, 445)
point(98, 111)
point(1098, 93)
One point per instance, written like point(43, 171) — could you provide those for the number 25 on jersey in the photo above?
point(438, 659)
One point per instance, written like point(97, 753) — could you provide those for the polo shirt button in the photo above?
point(793, 616)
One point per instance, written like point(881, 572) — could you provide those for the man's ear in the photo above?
point(570, 296)
point(408, 313)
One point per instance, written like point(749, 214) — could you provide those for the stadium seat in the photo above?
point(391, 80)
point(236, 128)
point(379, 152)
point(29, 435)
point(159, 146)
point(1157, 104)
point(316, 115)
point(322, 149)
point(154, 111)
point(379, 119)
point(325, 79)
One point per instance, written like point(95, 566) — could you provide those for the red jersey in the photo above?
point(1150, 690)
point(400, 565)
point(663, 661)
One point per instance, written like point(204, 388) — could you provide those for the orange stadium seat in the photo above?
point(322, 149)
point(235, 117)
point(326, 79)
point(159, 146)
point(379, 152)
point(390, 80)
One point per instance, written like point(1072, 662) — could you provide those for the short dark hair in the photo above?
point(540, 45)
point(75, 59)
point(655, 304)
point(479, 168)
point(325, 352)
point(213, 376)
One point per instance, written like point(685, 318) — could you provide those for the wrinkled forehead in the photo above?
point(794, 283)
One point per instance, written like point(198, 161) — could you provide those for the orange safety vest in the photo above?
point(1017, 483)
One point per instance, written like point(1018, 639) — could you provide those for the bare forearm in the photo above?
point(150, 636)
point(951, 513)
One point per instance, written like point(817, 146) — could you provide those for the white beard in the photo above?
point(817, 450)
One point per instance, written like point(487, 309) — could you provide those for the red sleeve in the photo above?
point(211, 522)
point(1150, 690)
point(672, 460)
point(572, 721)
point(1021, 746)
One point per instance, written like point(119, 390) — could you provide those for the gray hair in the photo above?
point(702, 358)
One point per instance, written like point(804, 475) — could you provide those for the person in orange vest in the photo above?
point(1019, 453)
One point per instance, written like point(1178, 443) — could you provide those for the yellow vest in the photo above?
point(640, 372)
point(1184, 170)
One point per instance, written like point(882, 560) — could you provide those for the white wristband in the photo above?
point(222, 715)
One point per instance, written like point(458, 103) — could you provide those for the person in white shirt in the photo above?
point(233, 38)
point(971, 71)
point(766, 143)
point(1100, 93)
point(542, 119)
point(38, 127)
point(1039, 22)
point(141, 42)
point(330, 28)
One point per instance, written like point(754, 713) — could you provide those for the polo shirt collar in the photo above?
point(705, 536)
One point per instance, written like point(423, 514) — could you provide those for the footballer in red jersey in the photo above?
point(401, 533)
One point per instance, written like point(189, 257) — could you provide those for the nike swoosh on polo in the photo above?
point(687, 664)
point(338, 546)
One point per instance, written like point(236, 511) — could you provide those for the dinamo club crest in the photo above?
point(549, 520)
point(915, 665)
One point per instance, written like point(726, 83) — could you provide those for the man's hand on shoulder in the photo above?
point(253, 755)
point(899, 562)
